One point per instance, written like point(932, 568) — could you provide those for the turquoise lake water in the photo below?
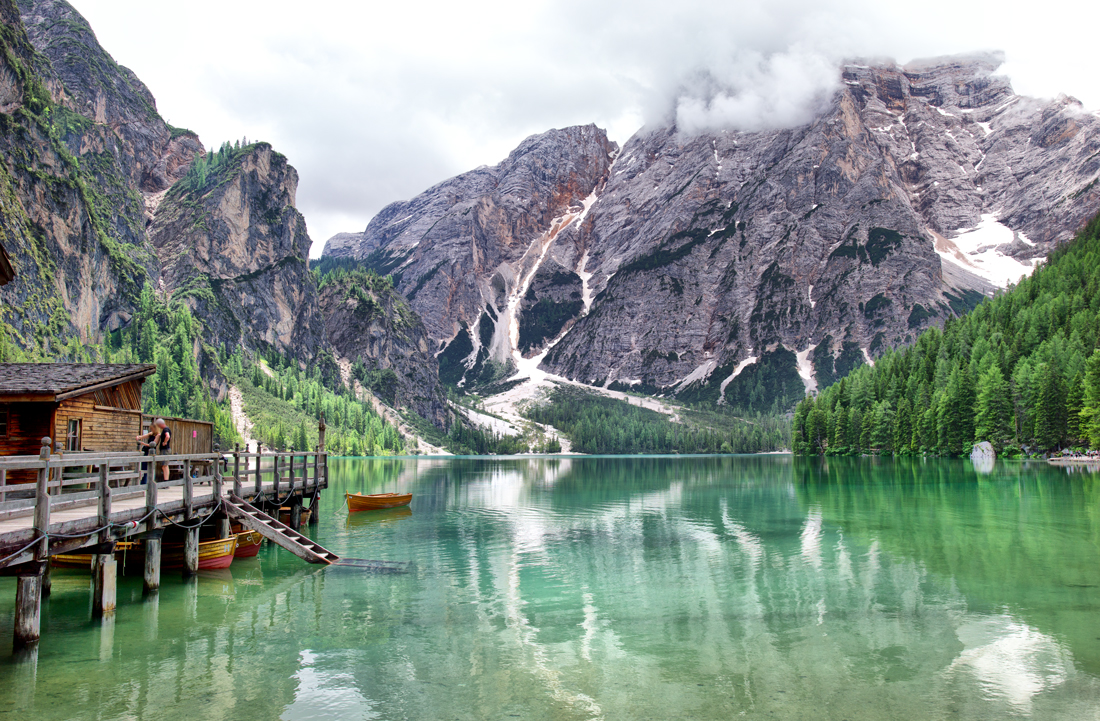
point(757, 587)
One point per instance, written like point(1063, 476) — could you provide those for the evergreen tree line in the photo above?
point(1022, 371)
point(597, 424)
point(166, 334)
point(285, 404)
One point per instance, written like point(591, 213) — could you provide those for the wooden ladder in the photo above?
point(278, 532)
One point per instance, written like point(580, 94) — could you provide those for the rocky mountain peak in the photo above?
point(234, 247)
point(712, 264)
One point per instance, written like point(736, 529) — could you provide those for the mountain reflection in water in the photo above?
point(645, 587)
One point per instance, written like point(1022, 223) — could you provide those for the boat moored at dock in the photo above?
point(377, 501)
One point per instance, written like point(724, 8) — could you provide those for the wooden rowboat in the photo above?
point(84, 560)
point(377, 501)
point(248, 544)
point(212, 554)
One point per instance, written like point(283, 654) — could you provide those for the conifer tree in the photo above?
point(994, 417)
point(1050, 408)
point(1090, 410)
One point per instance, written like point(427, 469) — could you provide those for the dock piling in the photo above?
point(104, 584)
point(28, 607)
point(191, 552)
point(152, 543)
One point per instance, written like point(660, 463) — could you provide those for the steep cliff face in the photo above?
point(81, 140)
point(233, 246)
point(768, 259)
point(371, 325)
point(463, 253)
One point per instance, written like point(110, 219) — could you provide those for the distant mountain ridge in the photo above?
point(708, 265)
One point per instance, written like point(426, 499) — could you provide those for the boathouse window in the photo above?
point(3, 421)
point(73, 438)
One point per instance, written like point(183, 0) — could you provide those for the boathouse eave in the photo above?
point(56, 382)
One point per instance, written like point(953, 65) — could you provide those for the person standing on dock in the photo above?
point(161, 440)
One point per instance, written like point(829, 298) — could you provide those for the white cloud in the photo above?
point(374, 102)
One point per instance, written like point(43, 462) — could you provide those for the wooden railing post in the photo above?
point(42, 504)
point(217, 474)
point(321, 450)
point(291, 470)
point(188, 490)
point(151, 489)
point(259, 480)
point(237, 469)
point(316, 468)
point(104, 503)
point(275, 472)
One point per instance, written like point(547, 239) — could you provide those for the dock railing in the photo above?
point(72, 479)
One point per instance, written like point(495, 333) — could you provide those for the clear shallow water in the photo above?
point(618, 588)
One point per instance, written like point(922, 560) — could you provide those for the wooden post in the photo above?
point(152, 543)
point(237, 469)
point(42, 527)
point(296, 513)
point(322, 482)
point(42, 504)
point(217, 475)
point(151, 491)
point(3, 484)
point(314, 517)
point(292, 471)
point(104, 569)
point(188, 491)
point(28, 609)
point(191, 552)
point(259, 482)
point(225, 528)
point(104, 504)
point(104, 585)
point(276, 472)
point(316, 474)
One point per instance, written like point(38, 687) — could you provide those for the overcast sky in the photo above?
point(374, 102)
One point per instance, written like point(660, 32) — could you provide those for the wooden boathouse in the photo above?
point(82, 406)
point(87, 495)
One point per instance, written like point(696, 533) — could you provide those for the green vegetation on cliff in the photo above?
point(285, 404)
point(1022, 371)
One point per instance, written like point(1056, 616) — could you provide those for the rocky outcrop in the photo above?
point(719, 265)
point(347, 245)
point(371, 325)
point(466, 249)
point(235, 248)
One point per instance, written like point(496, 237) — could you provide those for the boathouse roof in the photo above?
point(58, 381)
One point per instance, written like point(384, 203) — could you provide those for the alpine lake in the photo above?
point(643, 587)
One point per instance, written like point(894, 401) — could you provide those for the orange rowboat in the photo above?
point(248, 544)
point(212, 554)
point(377, 501)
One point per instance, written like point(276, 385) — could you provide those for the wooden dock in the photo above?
point(87, 502)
